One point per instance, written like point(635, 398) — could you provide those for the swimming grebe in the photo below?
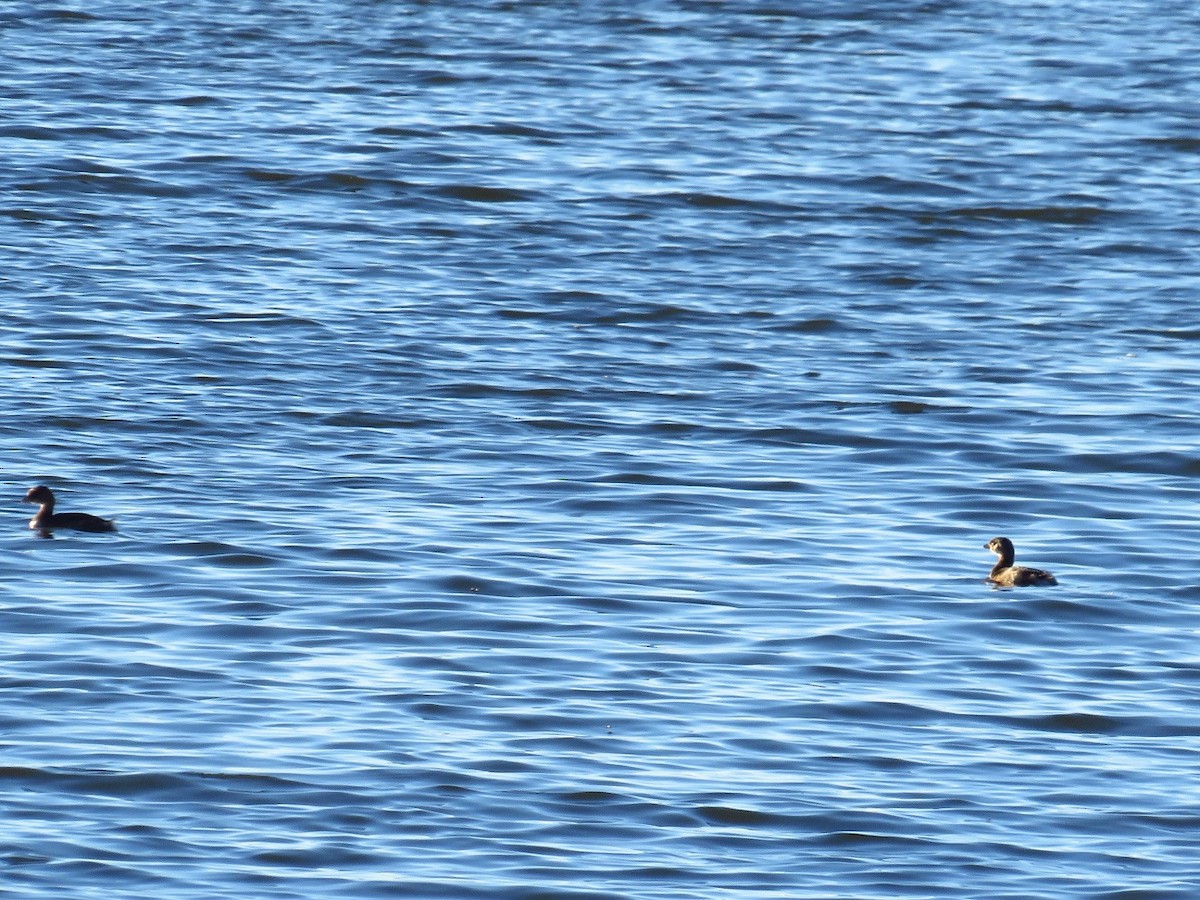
point(47, 519)
point(1005, 573)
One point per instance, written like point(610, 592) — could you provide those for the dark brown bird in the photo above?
point(1006, 574)
point(46, 519)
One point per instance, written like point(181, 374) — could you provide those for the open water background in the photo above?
point(553, 445)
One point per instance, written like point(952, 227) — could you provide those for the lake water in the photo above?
point(553, 446)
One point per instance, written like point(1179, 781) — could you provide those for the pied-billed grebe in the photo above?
point(46, 519)
point(1005, 573)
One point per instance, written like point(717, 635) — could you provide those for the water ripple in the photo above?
point(554, 451)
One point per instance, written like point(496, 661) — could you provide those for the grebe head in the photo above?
point(39, 494)
point(1001, 546)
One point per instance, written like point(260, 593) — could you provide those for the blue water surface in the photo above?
point(553, 447)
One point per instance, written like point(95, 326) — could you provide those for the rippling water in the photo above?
point(553, 447)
